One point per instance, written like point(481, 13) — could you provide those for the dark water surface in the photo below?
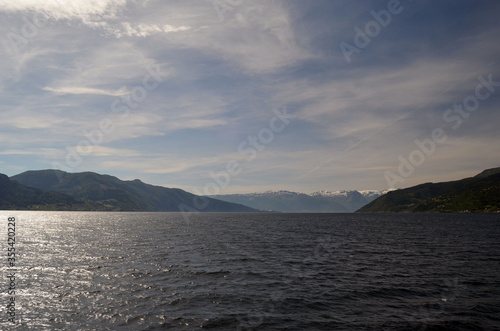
point(153, 271)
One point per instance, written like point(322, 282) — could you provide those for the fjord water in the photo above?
point(149, 271)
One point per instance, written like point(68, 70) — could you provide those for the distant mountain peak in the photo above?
point(345, 193)
point(288, 201)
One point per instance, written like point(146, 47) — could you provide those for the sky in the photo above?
point(238, 96)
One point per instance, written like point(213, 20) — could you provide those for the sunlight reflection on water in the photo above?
point(150, 270)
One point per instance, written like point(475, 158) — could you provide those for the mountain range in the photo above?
point(59, 190)
point(319, 202)
point(480, 193)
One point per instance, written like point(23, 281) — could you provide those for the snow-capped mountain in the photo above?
point(369, 194)
point(322, 201)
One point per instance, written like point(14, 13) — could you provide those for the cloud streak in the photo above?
point(86, 90)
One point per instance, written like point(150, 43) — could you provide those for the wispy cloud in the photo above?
point(86, 90)
point(44, 152)
point(144, 30)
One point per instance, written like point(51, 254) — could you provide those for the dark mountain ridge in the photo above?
point(14, 196)
point(480, 193)
point(115, 194)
